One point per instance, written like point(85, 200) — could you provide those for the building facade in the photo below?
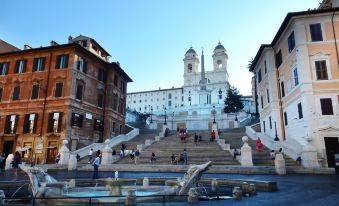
point(297, 85)
point(59, 92)
point(216, 84)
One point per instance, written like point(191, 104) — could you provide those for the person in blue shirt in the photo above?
point(96, 164)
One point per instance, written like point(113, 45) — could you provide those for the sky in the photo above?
point(149, 38)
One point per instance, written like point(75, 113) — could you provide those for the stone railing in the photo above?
point(111, 143)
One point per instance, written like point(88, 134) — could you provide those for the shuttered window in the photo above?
point(326, 106)
point(54, 122)
point(316, 34)
point(1, 93)
point(30, 123)
point(82, 65)
point(16, 93)
point(61, 61)
point(79, 92)
point(77, 120)
point(58, 89)
point(321, 70)
point(39, 64)
point(4, 68)
point(35, 91)
point(20, 66)
point(300, 111)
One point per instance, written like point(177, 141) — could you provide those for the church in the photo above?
point(201, 89)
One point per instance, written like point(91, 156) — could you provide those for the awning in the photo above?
point(51, 147)
point(23, 149)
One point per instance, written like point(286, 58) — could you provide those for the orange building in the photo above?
point(69, 91)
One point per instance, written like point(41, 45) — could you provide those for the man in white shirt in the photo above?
point(96, 164)
point(90, 155)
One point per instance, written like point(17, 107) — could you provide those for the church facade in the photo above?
point(201, 88)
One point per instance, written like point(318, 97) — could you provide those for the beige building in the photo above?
point(297, 83)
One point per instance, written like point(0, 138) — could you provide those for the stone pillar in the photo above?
point(192, 196)
point(309, 156)
point(237, 193)
point(9, 160)
point(215, 128)
point(64, 153)
point(246, 153)
point(106, 154)
point(131, 199)
point(72, 163)
point(214, 185)
point(145, 182)
point(279, 163)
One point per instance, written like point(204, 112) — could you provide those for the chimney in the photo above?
point(26, 46)
point(53, 43)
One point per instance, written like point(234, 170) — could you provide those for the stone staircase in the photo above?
point(233, 137)
point(203, 152)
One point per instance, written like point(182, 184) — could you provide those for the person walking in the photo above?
point(185, 157)
point(153, 158)
point(272, 155)
point(96, 164)
point(90, 156)
point(259, 146)
point(196, 137)
point(16, 162)
point(136, 156)
point(212, 136)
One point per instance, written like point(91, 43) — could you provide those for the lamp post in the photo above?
point(276, 133)
point(214, 114)
point(151, 114)
point(165, 123)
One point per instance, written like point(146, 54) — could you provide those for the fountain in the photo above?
point(43, 185)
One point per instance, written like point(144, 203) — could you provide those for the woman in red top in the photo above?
point(259, 146)
point(212, 135)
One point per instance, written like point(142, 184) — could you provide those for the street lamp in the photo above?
point(214, 114)
point(276, 133)
point(165, 123)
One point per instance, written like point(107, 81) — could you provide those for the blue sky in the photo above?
point(149, 38)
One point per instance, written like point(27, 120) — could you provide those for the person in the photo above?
point(15, 163)
point(272, 155)
point(185, 157)
point(196, 137)
point(2, 161)
point(57, 159)
point(116, 175)
point(123, 147)
point(181, 158)
point(96, 164)
point(200, 138)
point(78, 157)
point(153, 157)
point(182, 137)
point(90, 156)
point(114, 153)
point(131, 156)
point(280, 151)
point(236, 152)
point(298, 160)
point(258, 145)
point(212, 136)
point(136, 154)
point(172, 158)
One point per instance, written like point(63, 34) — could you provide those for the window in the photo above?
point(321, 70)
point(115, 102)
point(278, 59)
point(98, 125)
point(262, 102)
point(264, 126)
point(100, 100)
point(268, 96)
point(101, 75)
point(79, 92)
point(265, 66)
point(295, 76)
point(169, 103)
point(270, 122)
point(61, 61)
point(169, 96)
point(30, 123)
point(16, 93)
point(77, 120)
point(39, 64)
point(82, 65)
point(291, 42)
point(54, 122)
point(4, 68)
point(326, 106)
point(116, 80)
point(316, 34)
point(259, 76)
point(300, 111)
point(58, 89)
point(285, 118)
point(189, 68)
point(35, 91)
point(1, 92)
point(282, 87)
point(20, 66)
point(123, 87)
point(11, 124)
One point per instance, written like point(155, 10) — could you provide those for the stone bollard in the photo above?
point(252, 189)
point(237, 193)
point(244, 187)
point(72, 162)
point(131, 199)
point(9, 160)
point(309, 157)
point(279, 162)
point(148, 142)
point(145, 182)
point(157, 138)
point(214, 185)
point(64, 153)
point(246, 153)
point(192, 196)
point(2, 197)
point(106, 154)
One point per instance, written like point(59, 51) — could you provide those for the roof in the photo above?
point(219, 46)
point(282, 28)
point(113, 64)
point(6, 47)
point(159, 90)
point(191, 51)
point(80, 37)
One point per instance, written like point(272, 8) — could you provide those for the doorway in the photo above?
point(332, 147)
point(51, 152)
point(8, 147)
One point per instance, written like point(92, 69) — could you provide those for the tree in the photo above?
point(233, 102)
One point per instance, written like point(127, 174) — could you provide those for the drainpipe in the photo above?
point(335, 39)
point(280, 106)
